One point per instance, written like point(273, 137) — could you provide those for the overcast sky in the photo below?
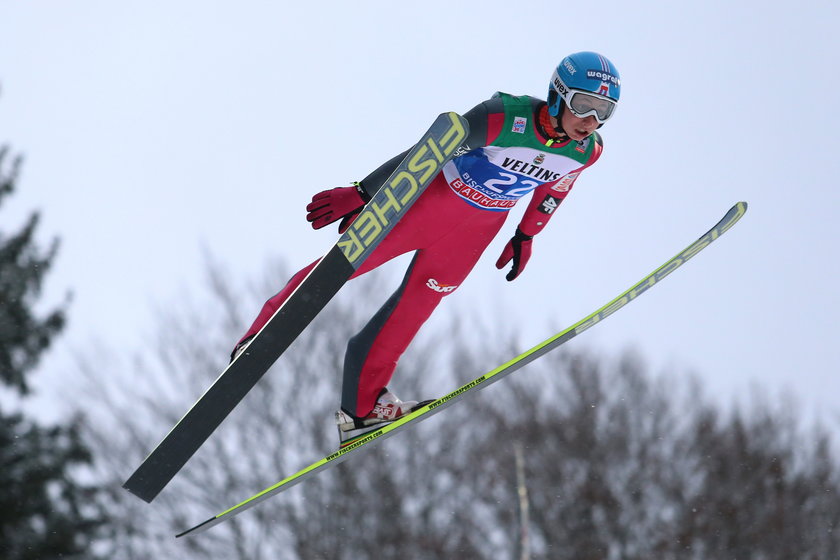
point(153, 130)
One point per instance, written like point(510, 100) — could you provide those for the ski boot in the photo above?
point(387, 409)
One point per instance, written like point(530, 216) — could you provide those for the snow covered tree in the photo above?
point(43, 511)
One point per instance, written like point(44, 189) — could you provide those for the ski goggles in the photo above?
point(583, 104)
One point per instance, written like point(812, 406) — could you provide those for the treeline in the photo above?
point(616, 463)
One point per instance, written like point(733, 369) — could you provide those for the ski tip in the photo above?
point(739, 209)
point(139, 491)
point(197, 529)
point(733, 215)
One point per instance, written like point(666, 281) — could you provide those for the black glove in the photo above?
point(518, 249)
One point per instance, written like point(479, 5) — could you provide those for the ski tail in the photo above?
point(393, 199)
point(731, 217)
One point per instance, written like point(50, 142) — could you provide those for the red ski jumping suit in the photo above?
point(511, 151)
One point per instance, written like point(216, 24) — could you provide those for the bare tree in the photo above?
point(616, 463)
point(623, 465)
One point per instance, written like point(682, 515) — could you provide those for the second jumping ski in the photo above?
point(731, 217)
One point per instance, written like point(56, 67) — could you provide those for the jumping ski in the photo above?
point(731, 217)
point(377, 218)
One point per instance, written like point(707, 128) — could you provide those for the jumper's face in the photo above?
point(577, 128)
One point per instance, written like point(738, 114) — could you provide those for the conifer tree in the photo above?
point(44, 512)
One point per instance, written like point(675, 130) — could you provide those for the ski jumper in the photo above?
point(511, 151)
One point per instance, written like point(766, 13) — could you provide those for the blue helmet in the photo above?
point(588, 83)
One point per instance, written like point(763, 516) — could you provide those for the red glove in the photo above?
point(518, 249)
point(329, 206)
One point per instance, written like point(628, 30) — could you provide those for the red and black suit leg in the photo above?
point(435, 272)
